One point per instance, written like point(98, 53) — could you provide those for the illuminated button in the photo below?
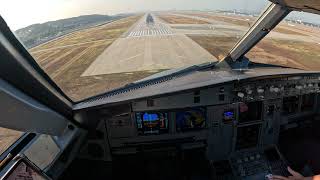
point(274, 89)
point(298, 87)
point(260, 90)
point(240, 94)
point(258, 156)
point(251, 158)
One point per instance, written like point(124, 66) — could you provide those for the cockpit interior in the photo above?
point(231, 119)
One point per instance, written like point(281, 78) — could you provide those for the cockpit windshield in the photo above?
point(89, 47)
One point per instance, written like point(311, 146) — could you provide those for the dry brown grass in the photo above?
point(7, 137)
point(66, 58)
point(87, 86)
point(172, 19)
point(286, 30)
point(296, 54)
point(218, 46)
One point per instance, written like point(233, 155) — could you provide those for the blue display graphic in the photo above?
point(228, 116)
point(152, 123)
point(190, 119)
point(150, 117)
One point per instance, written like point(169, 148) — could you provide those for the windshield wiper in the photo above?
point(155, 79)
point(177, 72)
point(268, 20)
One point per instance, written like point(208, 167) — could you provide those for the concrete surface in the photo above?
point(147, 47)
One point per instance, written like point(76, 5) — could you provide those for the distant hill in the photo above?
point(36, 34)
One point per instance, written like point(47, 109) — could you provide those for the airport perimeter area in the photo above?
point(106, 57)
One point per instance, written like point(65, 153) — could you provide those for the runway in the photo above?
point(157, 29)
point(147, 47)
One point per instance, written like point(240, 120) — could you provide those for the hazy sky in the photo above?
point(21, 13)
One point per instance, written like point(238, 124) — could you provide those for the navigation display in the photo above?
point(190, 119)
point(152, 123)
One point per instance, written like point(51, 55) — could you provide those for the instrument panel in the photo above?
point(244, 114)
point(238, 117)
point(237, 121)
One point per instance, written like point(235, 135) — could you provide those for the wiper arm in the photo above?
point(268, 20)
point(177, 72)
point(143, 83)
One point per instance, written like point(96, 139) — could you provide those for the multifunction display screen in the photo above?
point(152, 123)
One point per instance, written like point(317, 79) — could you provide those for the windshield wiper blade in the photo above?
point(268, 20)
point(178, 71)
point(155, 80)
